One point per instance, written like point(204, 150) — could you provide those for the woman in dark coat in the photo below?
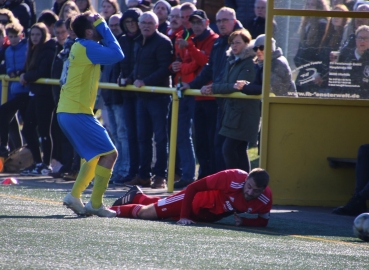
point(240, 123)
point(37, 122)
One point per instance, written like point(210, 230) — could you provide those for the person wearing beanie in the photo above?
point(129, 24)
point(281, 75)
point(162, 9)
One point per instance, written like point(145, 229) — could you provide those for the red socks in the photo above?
point(127, 211)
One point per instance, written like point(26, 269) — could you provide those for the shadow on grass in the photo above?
point(41, 217)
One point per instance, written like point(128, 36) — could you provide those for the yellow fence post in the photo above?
point(4, 90)
point(173, 142)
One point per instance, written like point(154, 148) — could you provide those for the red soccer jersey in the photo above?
point(221, 195)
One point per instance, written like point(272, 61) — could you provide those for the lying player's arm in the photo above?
point(260, 221)
point(191, 190)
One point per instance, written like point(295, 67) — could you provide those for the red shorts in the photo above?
point(170, 207)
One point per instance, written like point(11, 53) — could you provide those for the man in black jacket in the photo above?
point(153, 55)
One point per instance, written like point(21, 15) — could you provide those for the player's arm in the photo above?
point(108, 54)
point(191, 190)
point(261, 221)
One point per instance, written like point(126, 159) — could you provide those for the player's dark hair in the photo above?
point(14, 28)
point(80, 24)
point(260, 177)
point(48, 17)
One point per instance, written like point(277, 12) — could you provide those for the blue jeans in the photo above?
point(362, 172)
point(130, 113)
point(118, 132)
point(205, 122)
point(152, 117)
point(185, 150)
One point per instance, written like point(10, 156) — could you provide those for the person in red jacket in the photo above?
point(207, 200)
point(194, 53)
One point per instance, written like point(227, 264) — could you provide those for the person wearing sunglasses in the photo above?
point(281, 82)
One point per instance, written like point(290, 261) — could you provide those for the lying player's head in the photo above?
point(83, 26)
point(256, 183)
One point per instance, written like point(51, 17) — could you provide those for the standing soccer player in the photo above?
point(209, 199)
point(75, 112)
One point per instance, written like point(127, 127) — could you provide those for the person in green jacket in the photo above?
point(240, 122)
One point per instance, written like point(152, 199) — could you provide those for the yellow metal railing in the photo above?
point(151, 89)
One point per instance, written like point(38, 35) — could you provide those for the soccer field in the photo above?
point(37, 232)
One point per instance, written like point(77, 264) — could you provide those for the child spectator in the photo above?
point(15, 57)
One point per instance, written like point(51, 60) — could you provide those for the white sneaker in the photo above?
point(101, 212)
point(75, 204)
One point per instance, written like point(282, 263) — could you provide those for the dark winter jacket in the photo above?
point(56, 71)
point(125, 67)
point(214, 69)
point(152, 62)
point(42, 70)
point(257, 27)
point(162, 28)
point(22, 12)
point(241, 117)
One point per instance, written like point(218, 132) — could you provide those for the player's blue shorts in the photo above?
point(88, 137)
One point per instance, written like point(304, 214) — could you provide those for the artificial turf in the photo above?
point(37, 232)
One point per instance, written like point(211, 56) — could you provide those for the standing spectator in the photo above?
point(348, 39)
point(281, 76)
point(162, 9)
point(197, 55)
point(241, 118)
point(311, 32)
point(15, 57)
point(40, 108)
point(359, 74)
point(58, 5)
point(21, 11)
point(175, 25)
point(85, 5)
point(59, 155)
point(49, 18)
point(114, 107)
point(108, 8)
point(153, 55)
point(331, 42)
point(75, 112)
point(129, 23)
point(257, 26)
point(213, 71)
point(69, 9)
point(244, 9)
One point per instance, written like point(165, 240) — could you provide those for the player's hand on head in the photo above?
point(185, 221)
point(237, 219)
point(96, 16)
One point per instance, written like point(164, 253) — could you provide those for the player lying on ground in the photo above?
point(208, 200)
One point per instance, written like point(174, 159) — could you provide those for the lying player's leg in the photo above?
point(169, 207)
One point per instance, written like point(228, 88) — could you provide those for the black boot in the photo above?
point(355, 206)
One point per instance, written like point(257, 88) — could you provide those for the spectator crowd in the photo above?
point(166, 43)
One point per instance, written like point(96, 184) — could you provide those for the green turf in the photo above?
point(38, 233)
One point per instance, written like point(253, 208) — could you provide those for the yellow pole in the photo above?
point(173, 142)
point(4, 90)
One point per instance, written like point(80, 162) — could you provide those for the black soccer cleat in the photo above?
point(128, 197)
